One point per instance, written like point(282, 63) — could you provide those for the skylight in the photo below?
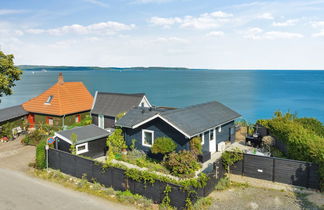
point(49, 99)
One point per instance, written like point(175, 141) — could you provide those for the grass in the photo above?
point(94, 188)
point(225, 183)
point(305, 203)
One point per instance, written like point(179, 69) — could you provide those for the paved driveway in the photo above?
point(18, 190)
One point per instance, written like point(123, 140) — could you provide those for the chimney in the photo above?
point(60, 79)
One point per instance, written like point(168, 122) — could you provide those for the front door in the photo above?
point(212, 141)
point(31, 120)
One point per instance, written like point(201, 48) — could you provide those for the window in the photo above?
point(211, 135)
point(81, 148)
point(77, 118)
point(49, 121)
point(147, 138)
point(202, 136)
point(142, 104)
point(219, 129)
point(101, 121)
point(49, 99)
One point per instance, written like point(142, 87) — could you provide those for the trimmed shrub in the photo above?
point(41, 155)
point(195, 146)
point(116, 141)
point(163, 145)
point(182, 164)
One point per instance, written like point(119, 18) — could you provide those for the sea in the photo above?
point(255, 94)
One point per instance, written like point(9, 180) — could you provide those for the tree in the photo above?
point(74, 139)
point(9, 73)
point(116, 141)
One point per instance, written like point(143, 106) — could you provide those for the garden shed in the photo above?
point(90, 140)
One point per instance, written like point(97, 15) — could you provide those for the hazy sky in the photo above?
point(185, 33)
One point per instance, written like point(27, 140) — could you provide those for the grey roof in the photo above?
point(191, 120)
point(12, 112)
point(85, 133)
point(111, 104)
point(137, 115)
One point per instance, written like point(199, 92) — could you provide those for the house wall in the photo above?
point(58, 120)
point(97, 148)
point(19, 121)
point(109, 121)
point(222, 136)
point(161, 129)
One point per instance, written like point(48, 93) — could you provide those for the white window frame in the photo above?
point(143, 137)
point(101, 121)
point(219, 129)
point(50, 121)
point(82, 151)
point(212, 130)
point(202, 136)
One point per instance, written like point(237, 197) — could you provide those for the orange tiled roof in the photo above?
point(68, 98)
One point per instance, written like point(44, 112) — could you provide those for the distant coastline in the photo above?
point(139, 68)
point(92, 68)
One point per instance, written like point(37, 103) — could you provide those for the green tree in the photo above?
point(9, 73)
point(116, 141)
point(74, 139)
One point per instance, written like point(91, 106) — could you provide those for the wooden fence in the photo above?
point(114, 177)
point(294, 172)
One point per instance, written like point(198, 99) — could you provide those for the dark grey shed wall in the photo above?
point(109, 122)
point(160, 129)
point(97, 148)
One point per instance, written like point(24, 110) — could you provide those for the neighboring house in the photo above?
point(91, 140)
point(213, 122)
point(107, 106)
point(63, 104)
point(13, 114)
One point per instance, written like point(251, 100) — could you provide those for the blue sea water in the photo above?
point(254, 94)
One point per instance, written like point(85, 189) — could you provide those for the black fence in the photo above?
point(114, 177)
point(294, 172)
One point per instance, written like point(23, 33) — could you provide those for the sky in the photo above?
point(213, 34)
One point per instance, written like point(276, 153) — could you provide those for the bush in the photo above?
point(116, 141)
point(41, 155)
point(303, 141)
point(223, 184)
point(34, 137)
point(231, 157)
point(163, 145)
point(86, 121)
point(195, 146)
point(182, 164)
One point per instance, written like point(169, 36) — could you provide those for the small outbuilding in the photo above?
point(91, 140)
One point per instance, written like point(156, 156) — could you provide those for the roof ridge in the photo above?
point(125, 94)
point(189, 107)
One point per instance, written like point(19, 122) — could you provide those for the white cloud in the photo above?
point(259, 34)
point(319, 34)
point(282, 35)
point(10, 11)
point(172, 39)
point(317, 24)
point(203, 21)
point(290, 22)
point(215, 33)
point(267, 16)
point(104, 28)
point(165, 22)
point(97, 2)
point(151, 1)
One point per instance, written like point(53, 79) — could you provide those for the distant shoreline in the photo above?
point(45, 68)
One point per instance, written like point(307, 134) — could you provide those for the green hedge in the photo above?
point(303, 140)
point(41, 155)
